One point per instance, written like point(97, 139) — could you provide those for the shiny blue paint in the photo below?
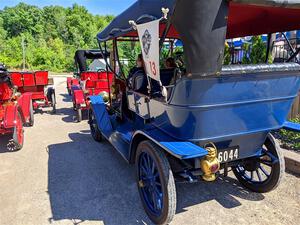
point(235, 110)
point(101, 115)
point(231, 110)
point(292, 126)
point(121, 135)
point(185, 149)
point(179, 149)
point(212, 108)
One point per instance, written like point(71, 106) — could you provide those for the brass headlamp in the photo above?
point(210, 164)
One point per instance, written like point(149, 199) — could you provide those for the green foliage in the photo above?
point(2, 32)
point(291, 139)
point(177, 54)
point(227, 55)
point(258, 51)
point(128, 52)
point(52, 35)
point(23, 18)
point(254, 53)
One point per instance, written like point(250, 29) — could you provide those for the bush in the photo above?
point(291, 140)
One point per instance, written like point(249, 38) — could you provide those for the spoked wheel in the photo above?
point(53, 101)
point(155, 183)
point(79, 113)
point(31, 115)
point(18, 135)
point(264, 173)
point(96, 134)
point(52, 98)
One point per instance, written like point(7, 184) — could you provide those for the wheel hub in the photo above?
point(252, 165)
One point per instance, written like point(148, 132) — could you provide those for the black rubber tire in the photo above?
point(79, 114)
point(167, 180)
point(74, 106)
point(276, 175)
point(15, 143)
point(53, 102)
point(95, 132)
point(31, 113)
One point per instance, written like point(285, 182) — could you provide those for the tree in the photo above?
point(23, 18)
point(52, 35)
point(2, 32)
point(258, 51)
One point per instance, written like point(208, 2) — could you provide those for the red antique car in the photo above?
point(39, 85)
point(16, 110)
point(90, 81)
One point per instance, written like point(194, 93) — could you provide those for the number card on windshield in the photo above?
point(149, 39)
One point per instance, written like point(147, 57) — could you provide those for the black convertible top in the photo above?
point(146, 10)
point(204, 25)
point(82, 55)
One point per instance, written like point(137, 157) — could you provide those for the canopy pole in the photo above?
point(164, 35)
point(107, 76)
point(118, 59)
point(114, 54)
point(167, 28)
point(172, 47)
point(294, 55)
point(288, 41)
point(268, 47)
point(105, 59)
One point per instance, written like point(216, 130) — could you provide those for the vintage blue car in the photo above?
point(201, 120)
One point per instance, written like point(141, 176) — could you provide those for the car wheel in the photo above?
point(264, 173)
point(156, 183)
point(96, 134)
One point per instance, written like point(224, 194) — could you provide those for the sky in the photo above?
point(101, 7)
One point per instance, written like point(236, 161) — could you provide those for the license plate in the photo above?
point(229, 154)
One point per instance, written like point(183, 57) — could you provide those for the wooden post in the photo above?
point(295, 109)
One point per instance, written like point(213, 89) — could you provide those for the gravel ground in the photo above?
point(62, 176)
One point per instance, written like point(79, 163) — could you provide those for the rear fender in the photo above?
point(79, 97)
point(178, 149)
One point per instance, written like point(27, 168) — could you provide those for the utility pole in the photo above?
point(24, 53)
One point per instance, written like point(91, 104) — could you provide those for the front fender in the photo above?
point(79, 97)
point(24, 105)
point(178, 149)
point(10, 116)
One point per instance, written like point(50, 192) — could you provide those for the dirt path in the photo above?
point(63, 177)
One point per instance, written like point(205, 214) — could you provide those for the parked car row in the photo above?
point(21, 93)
